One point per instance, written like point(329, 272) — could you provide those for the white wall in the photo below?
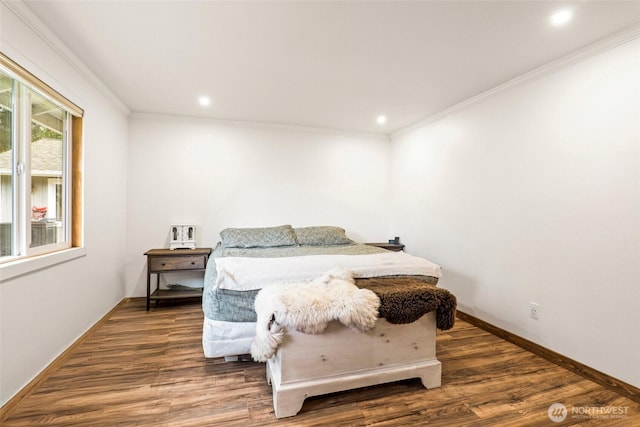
point(533, 194)
point(44, 312)
point(219, 175)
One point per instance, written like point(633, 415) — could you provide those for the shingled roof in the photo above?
point(46, 158)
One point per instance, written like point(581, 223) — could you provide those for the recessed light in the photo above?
point(561, 17)
point(204, 101)
point(381, 119)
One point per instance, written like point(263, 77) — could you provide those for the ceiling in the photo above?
point(326, 64)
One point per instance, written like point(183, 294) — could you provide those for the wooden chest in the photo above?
point(341, 359)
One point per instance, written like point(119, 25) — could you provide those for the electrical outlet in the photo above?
point(534, 309)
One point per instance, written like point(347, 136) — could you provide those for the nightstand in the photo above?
point(161, 261)
point(396, 247)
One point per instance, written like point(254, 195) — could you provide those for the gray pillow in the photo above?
point(264, 237)
point(322, 236)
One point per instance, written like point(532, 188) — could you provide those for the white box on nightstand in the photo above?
point(182, 237)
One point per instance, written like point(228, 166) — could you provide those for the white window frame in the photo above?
point(22, 178)
point(26, 259)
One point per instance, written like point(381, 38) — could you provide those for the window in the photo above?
point(40, 135)
point(6, 160)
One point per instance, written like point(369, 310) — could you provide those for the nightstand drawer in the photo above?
point(177, 263)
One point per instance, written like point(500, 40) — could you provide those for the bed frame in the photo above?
point(341, 359)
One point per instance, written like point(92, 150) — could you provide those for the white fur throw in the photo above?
point(308, 307)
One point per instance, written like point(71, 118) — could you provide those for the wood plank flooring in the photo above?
point(147, 369)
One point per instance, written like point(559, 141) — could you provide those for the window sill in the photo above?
point(19, 267)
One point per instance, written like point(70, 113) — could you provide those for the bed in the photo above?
point(247, 260)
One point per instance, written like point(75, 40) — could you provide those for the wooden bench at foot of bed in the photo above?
point(340, 359)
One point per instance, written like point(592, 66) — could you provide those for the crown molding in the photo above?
point(594, 49)
point(43, 32)
point(259, 125)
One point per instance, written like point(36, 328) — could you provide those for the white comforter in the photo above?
point(243, 274)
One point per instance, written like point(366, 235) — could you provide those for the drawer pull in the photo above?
point(193, 263)
point(163, 264)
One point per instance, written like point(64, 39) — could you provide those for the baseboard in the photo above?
point(585, 371)
point(8, 407)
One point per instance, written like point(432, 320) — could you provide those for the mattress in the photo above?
point(237, 306)
point(221, 338)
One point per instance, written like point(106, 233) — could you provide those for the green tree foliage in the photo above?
point(5, 130)
point(39, 132)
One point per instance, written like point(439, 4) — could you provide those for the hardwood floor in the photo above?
point(144, 368)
